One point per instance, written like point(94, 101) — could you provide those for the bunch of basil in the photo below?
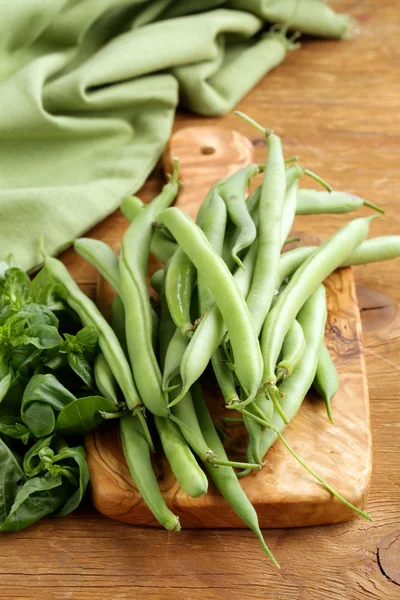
point(47, 399)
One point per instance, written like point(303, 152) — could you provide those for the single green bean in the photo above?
point(138, 322)
point(131, 206)
point(230, 301)
point(269, 234)
point(137, 454)
point(311, 202)
point(157, 280)
point(293, 348)
point(175, 351)
point(376, 249)
point(326, 380)
point(118, 322)
point(225, 379)
point(108, 341)
point(211, 328)
point(232, 191)
point(262, 406)
point(304, 282)
point(179, 284)
point(312, 318)
point(104, 378)
point(101, 256)
point(167, 326)
point(189, 475)
point(224, 477)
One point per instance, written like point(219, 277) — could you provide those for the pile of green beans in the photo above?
point(231, 302)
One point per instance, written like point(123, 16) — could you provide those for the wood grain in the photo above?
point(283, 493)
point(338, 106)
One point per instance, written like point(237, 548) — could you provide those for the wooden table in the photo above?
point(337, 105)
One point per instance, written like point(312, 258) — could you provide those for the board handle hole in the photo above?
point(207, 150)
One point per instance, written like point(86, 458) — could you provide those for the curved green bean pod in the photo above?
point(269, 234)
point(224, 477)
point(376, 249)
point(293, 348)
point(157, 280)
point(101, 256)
point(311, 202)
point(291, 260)
point(173, 358)
point(213, 226)
point(167, 327)
point(231, 303)
point(89, 314)
point(312, 318)
point(293, 174)
point(189, 475)
point(138, 321)
point(326, 380)
point(304, 282)
point(211, 328)
point(137, 454)
point(131, 206)
point(104, 378)
point(225, 379)
point(232, 191)
point(179, 284)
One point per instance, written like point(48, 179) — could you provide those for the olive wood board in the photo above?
point(283, 493)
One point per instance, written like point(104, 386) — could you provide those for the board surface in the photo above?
point(283, 493)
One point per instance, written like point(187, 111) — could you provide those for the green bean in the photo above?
point(137, 454)
point(108, 341)
point(101, 256)
point(118, 322)
point(304, 282)
point(175, 351)
point(179, 284)
point(167, 326)
point(326, 380)
point(155, 326)
point(311, 202)
point(131, 206)
point(213, 226)
point(312, 318)
point(224, 477)
point(376, 249)
point(138, 323)
point(104, 378)
point(189, 475)
point(293, 349)
point(228, 298)
point(262, 406)
point(225, 379)
point(290, 261)
point(161, 246)
point(157, 280)
point(269, 234)
point(289, 205)
point(211, 328)
point(232, 191)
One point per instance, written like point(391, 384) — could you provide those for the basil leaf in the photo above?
point(38, 314)
point(43, 395)
point(5, 385)
point(81, 367)
point(83, 415)
point(12, 477)
point(32, 464)
point(42, 336)
point(14, 430)
point(46, 291)
point(40, 419)
point(79, 456)
point(10, 406)
point(37, 498)
point(25, 359)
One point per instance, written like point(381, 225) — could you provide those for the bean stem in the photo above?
point(318, 179)
point(251, 121)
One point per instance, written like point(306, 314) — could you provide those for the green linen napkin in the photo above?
point(89, 88)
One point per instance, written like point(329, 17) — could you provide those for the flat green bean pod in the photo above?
point(138, 319)
point(101, 256)
point(131, 206)
point(104, 378)
point(189, 475)
point(179, 284)
point(137, 454)
point(231, 303)
point(232, 191)
point(175, 351)
point(312, 318)
point(225, 477)
point(311, 202)
point(304, 282)
point(293, 348)
point(269, 234)
point(326, 380)
point(157, 280)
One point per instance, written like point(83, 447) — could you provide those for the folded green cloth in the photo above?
point(89, 88)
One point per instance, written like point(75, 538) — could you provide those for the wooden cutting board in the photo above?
point(283, 493)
